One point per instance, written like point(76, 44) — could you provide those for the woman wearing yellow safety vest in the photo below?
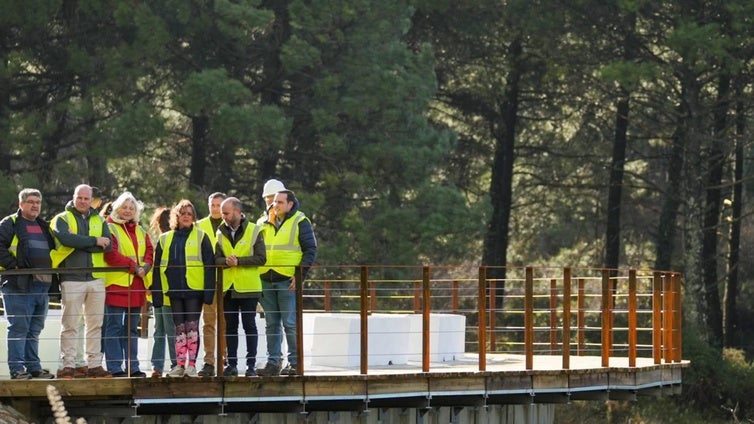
point(184, 270)
point(125, 292)
point(164, 327)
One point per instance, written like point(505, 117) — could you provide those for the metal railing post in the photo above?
point(606, 321)
point(657, 317)
point(553, 316)
point(529, 318)
point(482, 324)
point(566, 318)
point(299, 320)
point(632, 318)
point(426, 305)
point(364, 284)
point(581, 318)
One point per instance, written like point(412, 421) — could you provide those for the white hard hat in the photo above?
point(271, 187)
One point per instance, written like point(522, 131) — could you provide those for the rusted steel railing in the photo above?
point(532, 311)
point(622, 313)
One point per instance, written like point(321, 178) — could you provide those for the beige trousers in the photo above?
point(87, 298)
point(209, 331)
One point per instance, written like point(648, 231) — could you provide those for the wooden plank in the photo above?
point(649, 376)
point(457, 384)
point(550, 381)
point(329, 387)
point(509, 381)
point(264, 387)
point(168, 388)
point(80, 388)
point(582, 380)
point(397, 386)
point(622, 378)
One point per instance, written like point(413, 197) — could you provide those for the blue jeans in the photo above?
point(164, 332)
point(26, 312)
point(248, 310)
point(119, 341)
point(279, 305)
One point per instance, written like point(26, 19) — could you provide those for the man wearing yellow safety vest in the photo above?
point(240, 249)
point(25, 242)
point(209, 225)
point(289, 242)
point(81, 238)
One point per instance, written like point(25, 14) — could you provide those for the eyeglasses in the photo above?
point(33, 202)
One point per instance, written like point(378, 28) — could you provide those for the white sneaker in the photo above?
point(190, 371)
point(176, 371)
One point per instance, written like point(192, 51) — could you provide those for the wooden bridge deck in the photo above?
point(456, 383)
point(622, 332)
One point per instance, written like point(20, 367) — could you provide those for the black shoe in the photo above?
point(120, 374)
point(230, 371)
point(208, 370)
point(139, 374)
point(42, 374)
point(289, 370)
point(269, 370)
point(20, 375)
point(250, 372)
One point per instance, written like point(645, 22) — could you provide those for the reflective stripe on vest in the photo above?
point(283, 248)
point(244, 279)
point(194, 263)
point(126, 247)
point(61, 251)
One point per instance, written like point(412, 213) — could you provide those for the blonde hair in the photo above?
point(120, 201)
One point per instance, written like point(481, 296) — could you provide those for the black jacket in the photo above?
point(9, 227)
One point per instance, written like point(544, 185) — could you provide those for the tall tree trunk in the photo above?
point(615, 186)
point(730, 311)
point(713, 201)
point(666, 228)
point(501, 184)
point(199, 140)
point(617, 167)
point(271, 88)
point(4, 108)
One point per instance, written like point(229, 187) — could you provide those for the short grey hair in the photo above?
point(23, 194)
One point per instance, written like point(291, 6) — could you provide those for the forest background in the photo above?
point(571, 133)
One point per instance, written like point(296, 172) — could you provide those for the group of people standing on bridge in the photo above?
point(174, 265)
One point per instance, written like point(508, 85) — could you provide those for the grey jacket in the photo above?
point(84, 244)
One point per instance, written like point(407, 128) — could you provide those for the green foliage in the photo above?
point(717, 381)
point(645, 411)
point(629, 74)
point(205, 92)
point(129, 131)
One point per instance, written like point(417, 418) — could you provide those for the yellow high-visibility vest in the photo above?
point(244, 279)
point(61, 251)
point(194, 263)
point(205, 225)
point(283, 248)
point(126, 247)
